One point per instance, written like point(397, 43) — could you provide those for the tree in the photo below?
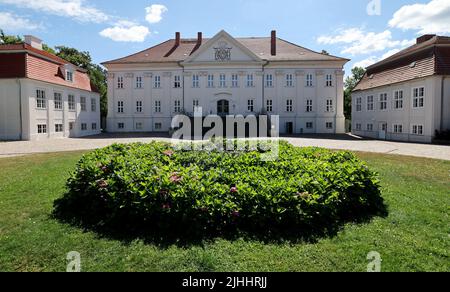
point(350, 84)
point(9, 39)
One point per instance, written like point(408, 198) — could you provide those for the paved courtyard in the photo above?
point(341, 142)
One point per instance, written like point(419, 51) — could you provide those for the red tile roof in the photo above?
point(166, 52)
point(426, 58)
point(25, 61)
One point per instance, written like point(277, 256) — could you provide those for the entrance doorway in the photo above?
point(223, 107)
point(382, 131)
point(289, 128)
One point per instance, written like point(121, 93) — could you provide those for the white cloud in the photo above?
point(126, 31)
point(374, 59)
point(76, 9)
point(11, 22)
point(356, 41)
point(433, 17)
point(155, 12)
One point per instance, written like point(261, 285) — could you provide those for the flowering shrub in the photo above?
point(156, 188)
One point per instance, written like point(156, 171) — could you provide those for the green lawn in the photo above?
point(414, 237)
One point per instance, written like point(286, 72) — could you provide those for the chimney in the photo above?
point(425, 38)
point(273, 43)
point(33, 41)
point(177, 39)
point(199, 39)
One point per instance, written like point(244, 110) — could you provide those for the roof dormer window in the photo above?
point(69, 75)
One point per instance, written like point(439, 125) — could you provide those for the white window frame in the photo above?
point(329, 106)
point(121, 126)
point(94, 126)
point(289, 80)
point(42, 128)
point(383, 100)
point(309, 125)
point(177, 81)
point(157, 106)
point(83, 106)
point(84, 127)
point(370, 100)
point(210, 81)
point(120, 84)
point(309, 106)
point(418, 94)
point(359, 104)
point(195, 81)
point(235, 80)
point(58, 101)
point(157, 82)
point(59, 128)
point(251, 105)
point(358, 127)
point(289, 105)
point(139, 106)
point(222, 80)
point(309, 80)
point(329, 125)
point(269, 105)
point(369, 127)
point(269, 80)
point(398, 99)
point(417, 129)
point(72, 102)
point(120, 107)
point(41, 99)
point(139, 82)
point(158, 126)
point(69, 75)
point(93, 104)
point(177, 106)
point(139, 126)
point(250, 80)
point(329, 80)
point(397, 128)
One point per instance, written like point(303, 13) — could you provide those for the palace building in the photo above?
point(223, 76)
point(43, 96)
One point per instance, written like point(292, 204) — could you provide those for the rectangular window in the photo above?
point(138, 126)
point(58, 101)
point(83, 103)
point(359, 104)
point(83, 127)
point(250, 105)
point(329, 125)
point(157, 81)
point(120, 82)
point(289, 80)
point(139, 106)
point(222, 80)
point(177, 107)
point(309, 80)
point(383, 101)
point(158, 126)
point(398, 129)
point(41, 101)
point(330, 107)
point(121, 126)
point(42, 128)
point(71, 126)
point(309, 125)
point(269, 80)
point(269, 105)
point(329, 80)
point(369, 127)
point(417, 130)
point(58, 128)
point(210, 81)
point(309, 106)
point(418, 97)
point(195, 105)
point(177, 81)
point(157, 106)
point(93, 105)
point(195, 81)
point(398, 99)
point(370, 103)
point(289, 105)
point(234, 80)
point(94, 126)
point(71, 102)
point(139, 83)
point(120, 107)
point(250, 81)
point(358, 127)
point(69, 76)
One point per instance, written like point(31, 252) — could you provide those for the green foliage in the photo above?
point(350, 84)
point(9, 39)
point(156, 188)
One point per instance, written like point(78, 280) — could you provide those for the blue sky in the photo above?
point(113, 29)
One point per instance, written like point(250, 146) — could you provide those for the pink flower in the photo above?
point(168, 153)
point(104, 168)
point(233, 190)
point(102, 184)
point(175, 178)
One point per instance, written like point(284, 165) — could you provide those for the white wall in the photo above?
point(428, 116)
point(9, 110)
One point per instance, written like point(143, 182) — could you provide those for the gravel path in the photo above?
point(341, 142)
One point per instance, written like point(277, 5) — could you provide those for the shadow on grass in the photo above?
point(192, 234)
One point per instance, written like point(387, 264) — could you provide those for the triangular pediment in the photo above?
point(222, 48)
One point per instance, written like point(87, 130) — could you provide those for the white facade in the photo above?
point(424, 108)
point(23, 117)
point(307, 95)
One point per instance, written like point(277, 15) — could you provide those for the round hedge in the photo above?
point(157, 188)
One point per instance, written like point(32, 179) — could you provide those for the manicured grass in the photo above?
point(414, 237)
